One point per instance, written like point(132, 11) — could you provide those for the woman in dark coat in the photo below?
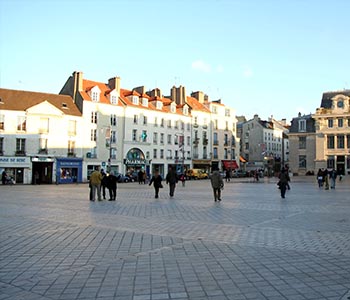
point(283, 182)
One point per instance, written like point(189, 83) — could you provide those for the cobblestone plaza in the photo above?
point(56, 244)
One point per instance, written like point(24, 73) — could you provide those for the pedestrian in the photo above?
point(228, 175)
point(333, 177)
point(140, 176)
point(171, 179)
point(217, 184)
point(157, 182)
point(283, 182)
point(325, 179)
point(95, 182)
point(3, 177)
point(112, 186)
point(183, 179)
point(104, 183)
point(144, 176)
point(320, 178)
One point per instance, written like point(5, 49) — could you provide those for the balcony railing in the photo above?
point(20, 153)
point(43, 151)
point(71, 154)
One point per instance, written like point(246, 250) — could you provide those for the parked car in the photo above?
point(239, 174)
point(122, 178)
point(133, 176)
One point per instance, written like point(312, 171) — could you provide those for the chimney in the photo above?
point(199, 96)
point(140, 89)
point(77, 83)
point(178, 94)
point(155, 93)
point(114, 83)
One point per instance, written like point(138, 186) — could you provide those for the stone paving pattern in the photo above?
point(56, 244)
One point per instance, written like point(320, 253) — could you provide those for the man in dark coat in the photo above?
point(112, 186)
point(171, 179)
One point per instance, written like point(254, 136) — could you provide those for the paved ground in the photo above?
point(55, 244)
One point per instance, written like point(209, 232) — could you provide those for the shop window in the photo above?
point(302, 161)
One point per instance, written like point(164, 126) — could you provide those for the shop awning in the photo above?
point(230, 164)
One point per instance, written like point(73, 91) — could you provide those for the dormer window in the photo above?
point(159, 105)
point(135, 100)
point(185, 110)
point(302, 125)
point(173, 107)
point(145, 102)
point(64, 105)
point(95, 94)
point(113, 97)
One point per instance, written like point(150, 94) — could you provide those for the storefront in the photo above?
point(42, 167)
point(69, 170)
point(135, 160)
point(229, 165)
point(18, 168)
point(202, 164)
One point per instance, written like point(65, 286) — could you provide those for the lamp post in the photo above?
point(109, 144)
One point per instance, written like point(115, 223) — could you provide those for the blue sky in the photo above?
point(270, 57)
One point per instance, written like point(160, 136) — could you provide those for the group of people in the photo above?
point(99, 181)
point(324, 177)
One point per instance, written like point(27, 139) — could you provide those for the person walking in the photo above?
point(228, 175)
point(112, 186)
point(333, 176)
point(320, 178)
point(217, 184)
point(140, 176)
point(95, 182)
point(157, 183)
point(171, 179)
point(3, 177)
point(283, 182)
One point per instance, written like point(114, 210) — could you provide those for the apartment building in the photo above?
point(332, 125)
point(264, 144)
point(40, 137)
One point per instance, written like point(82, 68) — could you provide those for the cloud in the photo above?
point(200, 65)
point(247, 73)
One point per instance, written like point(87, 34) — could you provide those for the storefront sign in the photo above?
point(42, 159)
point(14, 161)
point(135, 161)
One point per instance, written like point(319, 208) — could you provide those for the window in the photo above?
point(340, 122)
point(2, 122)
point(225, 139)
point(348, 141)
point(349, 122)
point(216, 124)
point(95, 96)
point(93, 136)
point(302, 142)
point(340, 141)
point(134, 135)
point(155, 121)
point(226, 125)
point(72, 127)
point(169, 139)
point(161, 122)
point(161, 153)
point(302, 125)
point(113, 137)
point(113, 153)
point(169, 154)
point(225, 154)
point(227, 112)
point(173, 108)
point(135, 100)
point(144, 102)
point(21, 123)
point(182, 125)
point(188, 141)
point(195, 121)
point(42, 145)
point(330, 162)
point(215, 142)
point(169, 123)
point(162, 138)
point(114, 99)
point(71, 147)
point(159, 105)
point(155, 138)
point(144, 120)
point(136, 118)
point(330, 123)
point(154, 153)
point(176, 124)
point(302, 161)
point(94, 117)
point(20, 146)
point(188, 126)
point(113, 120)
point(1, 146)
point(215, 154)
point(330, 141)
